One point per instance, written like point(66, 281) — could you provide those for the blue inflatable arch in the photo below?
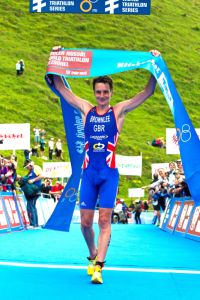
point(81, 63)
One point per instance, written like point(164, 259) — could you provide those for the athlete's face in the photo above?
point(102, 93)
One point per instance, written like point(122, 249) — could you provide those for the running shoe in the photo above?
point(91, 265)
point(97, 276)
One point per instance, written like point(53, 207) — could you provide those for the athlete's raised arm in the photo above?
point(122, 108)
point(83, 105)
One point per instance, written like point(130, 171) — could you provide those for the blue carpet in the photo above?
point(132, 246)
point(51, 284)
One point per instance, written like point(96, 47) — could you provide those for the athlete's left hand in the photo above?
point(155, 53)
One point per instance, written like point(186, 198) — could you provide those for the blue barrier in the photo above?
point(182, 217)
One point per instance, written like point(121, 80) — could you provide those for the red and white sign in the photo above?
point(23, 211)
point(3, 220)
point(173, 137)
point(11, 210)
point(194, 227)
point(174, 215)
point(185, 216)
point(14, 136)
point(70, 62)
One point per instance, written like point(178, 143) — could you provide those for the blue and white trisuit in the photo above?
point(100, 176)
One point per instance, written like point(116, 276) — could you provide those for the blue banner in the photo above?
point(90, 62)
point(122, 7)
point(62, 215)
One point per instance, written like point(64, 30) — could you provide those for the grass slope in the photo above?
point(173, 28)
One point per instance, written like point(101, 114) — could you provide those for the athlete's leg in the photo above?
point(88, 198)
point(105, 232)
point(87, 216)
point(107, 196)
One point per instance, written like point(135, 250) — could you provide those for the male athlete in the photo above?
point(102, 126)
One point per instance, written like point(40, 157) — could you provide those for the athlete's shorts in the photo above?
point(98, 185)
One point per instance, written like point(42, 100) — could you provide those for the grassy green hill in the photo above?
point(173, 28)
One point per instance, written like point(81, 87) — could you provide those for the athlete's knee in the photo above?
point(87, 218)
point(104, 222)
point(86, 223)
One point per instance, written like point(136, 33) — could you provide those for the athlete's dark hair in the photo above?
point(103, 79)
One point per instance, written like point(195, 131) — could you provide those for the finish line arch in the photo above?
point(84, 63)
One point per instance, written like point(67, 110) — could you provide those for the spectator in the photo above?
point(56, 191)
point(138, 210)
point(13, 159)
point(42, 146)
point(42, 134)
point(59, 149)
point(51, 148)
point(146, 206)
point(34, 151)
point(181, 190)
point(11, 175)
point(163, 177)
point(124, 207)
point(3, 171)
point(178, 178)
point(22, 66)
point(18, 68)
point(31, 186)
point(180, 166)
point(120, 211)
point(159, 142)
point(46, 187)
point(8, 174)
point(27, 153)
point(160, 177)
point(159, 200)
point(132, 206)
point(36, 132)
point(172, 173)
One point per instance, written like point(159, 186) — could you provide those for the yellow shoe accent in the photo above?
point(91, 266)
point(97, 276)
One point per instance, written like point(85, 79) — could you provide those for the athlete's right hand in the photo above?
point(57, 48)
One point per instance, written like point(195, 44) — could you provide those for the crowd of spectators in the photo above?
point(9, 178)
point(49, 189)
point(54, 146)
point(165, 185)
point(33, 185)
point(8, 173)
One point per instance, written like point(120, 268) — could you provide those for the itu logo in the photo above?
point(111, 5)
point(86, 5)
point(37, 5)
